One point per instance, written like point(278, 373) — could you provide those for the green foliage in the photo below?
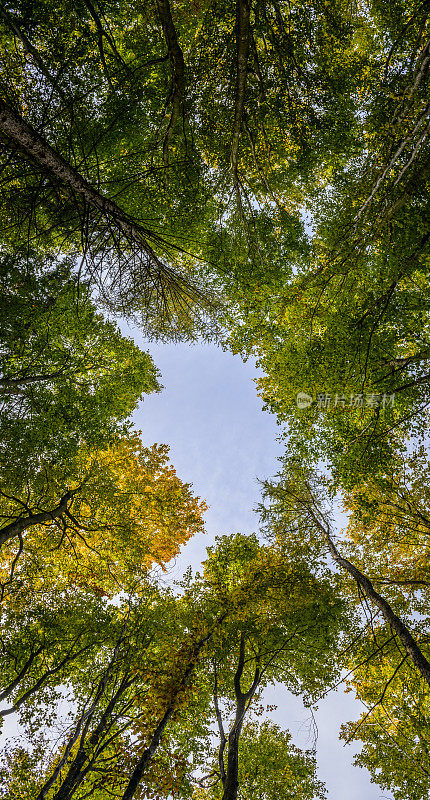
point(287, 612)
point(68, 375)
point(255, 173)
point(394, 731)
point(272, 767)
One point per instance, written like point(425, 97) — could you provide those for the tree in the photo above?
point(296, 614)
point(91, 181)
point(107, 701)
point(347, 326)
point(67, 375)
point(122, 510)
point(273, 767)
point(127, 711)
point(270, 766)
point(298, 500)
point(62, 158)
point(387, 659)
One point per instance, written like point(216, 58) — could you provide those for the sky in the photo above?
point(222, 442)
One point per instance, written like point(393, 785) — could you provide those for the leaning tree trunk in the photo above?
point(409, 642)
point(48, 160)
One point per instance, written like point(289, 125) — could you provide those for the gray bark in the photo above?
point(22, 523)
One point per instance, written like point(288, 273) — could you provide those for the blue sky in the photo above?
point(222, 442)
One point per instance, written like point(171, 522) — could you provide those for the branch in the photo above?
point(102, 33)
point(22, 523)
point(13, 684)
point(10, 383)
point(42, 680)
point(29, 47)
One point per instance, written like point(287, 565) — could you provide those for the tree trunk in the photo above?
point(76, 773)
point(147, 754)
point(230, 777)
point(231, 784)
point(48, 160)
point(177, 66)
point(243, 9)
point(404, 634)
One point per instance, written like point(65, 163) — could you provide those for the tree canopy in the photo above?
point(255, 174)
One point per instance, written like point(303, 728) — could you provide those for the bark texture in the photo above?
point(22, 523)
point(50, 161)
point(243, 9)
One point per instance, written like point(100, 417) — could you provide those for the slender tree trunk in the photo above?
point(76, 773)
point(243, 9)
point(396, 623)
point(230, 775)
point(223, 740)
point(404, 634)
point(177, 66)
point(147, 754)
point(29, 47)
point(231, 784)
point(82, 725)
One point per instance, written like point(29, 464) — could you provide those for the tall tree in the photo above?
point(66, 374)
point(297, 615)
point(224, 131)
point(348, 325)
point(270, 766)
point(386, 661)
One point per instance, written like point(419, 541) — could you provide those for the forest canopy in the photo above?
point(254, 174)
